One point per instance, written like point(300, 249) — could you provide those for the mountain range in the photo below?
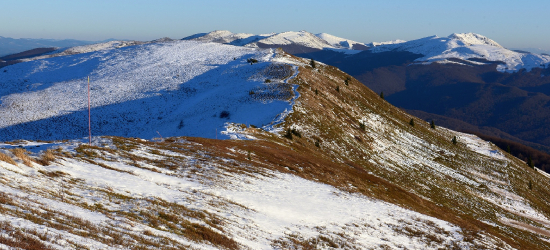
point(16, 45)
point(311, 158)
point(464, 81)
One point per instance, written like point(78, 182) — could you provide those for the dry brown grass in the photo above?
point(46, 158)
point(19, 239)
point(6, 158)
point(22, 154)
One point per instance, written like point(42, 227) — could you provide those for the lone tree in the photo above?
point(454, 140)
point(312, 63)
point(432, 124)
point(530, 162)
point(338, 89)
point(348, 79)
point(530, 185)
point(382, 94)
point(411, 122)
point(508, 149)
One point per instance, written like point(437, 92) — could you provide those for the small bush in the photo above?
point(267, 81)
point(251, 60)
point(312, 63)
point(348, 79)
point(362, 126)
point(432, 124)
point(296, 133)
point(316, 92)
point(317, 144)
point(288, 134)
point(382, 94)
point(411, 122)
point(454, 140)
point(338, 89)
point(530, 162)
point(225, 114)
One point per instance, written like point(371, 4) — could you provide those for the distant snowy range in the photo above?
point(473, 48)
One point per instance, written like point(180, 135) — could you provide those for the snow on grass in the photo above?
point(258, 210)
point(480, 146)
point(176, 88)
point(288, 205)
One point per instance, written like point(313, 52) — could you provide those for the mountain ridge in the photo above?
point(343, 169)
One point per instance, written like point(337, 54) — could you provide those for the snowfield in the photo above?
point(176, 88)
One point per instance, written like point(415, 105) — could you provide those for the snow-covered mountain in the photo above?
point(469, 47)
point(291, 41)
point(176, 88)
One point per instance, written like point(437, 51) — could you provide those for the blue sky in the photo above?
point(513, 24)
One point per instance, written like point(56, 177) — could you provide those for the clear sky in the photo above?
point(513, 24)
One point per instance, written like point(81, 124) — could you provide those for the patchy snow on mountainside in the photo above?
point(175, 88)
point(260, 210)
point(466, 47)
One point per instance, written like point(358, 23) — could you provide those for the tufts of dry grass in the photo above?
point(6, 158)
point(22, 154)
point(46, 158)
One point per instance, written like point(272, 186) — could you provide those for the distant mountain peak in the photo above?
point(473, 38)
point(466, 46)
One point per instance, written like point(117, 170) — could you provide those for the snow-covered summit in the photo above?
point(467, 46)
point(472, 38)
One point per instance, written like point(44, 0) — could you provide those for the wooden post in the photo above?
point(89, 114)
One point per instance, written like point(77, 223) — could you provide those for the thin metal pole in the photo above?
point(89, 114)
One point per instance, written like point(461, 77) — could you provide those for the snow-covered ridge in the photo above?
point(302, 38)
point(374, 44)
point(467, 46)
point(176, 88)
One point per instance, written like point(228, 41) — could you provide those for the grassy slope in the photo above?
point(332, 117)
